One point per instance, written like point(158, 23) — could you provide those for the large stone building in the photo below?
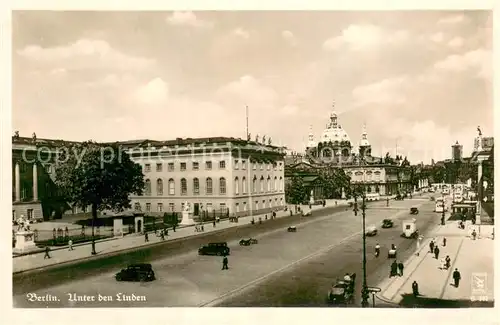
point(230, 175)
point(334, 149)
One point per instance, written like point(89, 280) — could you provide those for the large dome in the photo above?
point(334, 131)
point(335, 134)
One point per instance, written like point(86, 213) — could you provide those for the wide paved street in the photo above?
point(284, 269)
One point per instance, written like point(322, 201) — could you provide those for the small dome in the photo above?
point(364, 139)
point(311, 143)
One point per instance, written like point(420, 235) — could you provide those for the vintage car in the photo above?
point(136, 272)
point(413, 210)
point(392, 252)
point(342, 292)
point(292, 229)
point(371, 231)
point(306, 213)
point(248, 242)
point(218, 249)
point(387, 223)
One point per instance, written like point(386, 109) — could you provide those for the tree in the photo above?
point(332, 181)
point(102, 177)
point(295, 191)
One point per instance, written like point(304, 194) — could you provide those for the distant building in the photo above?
point(222, 174)
point(457, 152)
point(334, 149)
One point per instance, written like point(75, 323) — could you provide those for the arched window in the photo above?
point(254, 184)
point(137, 206)
point(275, 187)
point(261, 184)
point(171, 187)
point(244, 185)
point(184, 186)
point(327, 153)
point(236, 186)
point(268, 183)
point(222, 186)
point(209, 186)
point(281, 184)
point(196, 186)
point(159, 187)
point(147, 188)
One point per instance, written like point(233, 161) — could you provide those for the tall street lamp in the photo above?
point(364, 291)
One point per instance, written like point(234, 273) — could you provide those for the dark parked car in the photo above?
point(292, 229)
point(414, 211)
point(136, 272)
point(218, 249)
point(387, 223)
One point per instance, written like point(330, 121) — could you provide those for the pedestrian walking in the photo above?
point(70, 244)
point(394, 269)
point(431, 246)
point(146, 237)
point(414, 288)
point(456, 278)
point(162, 235)
point(225, 263)
point(213, 223)
point(447, 262)
point(436, 252)
point(401, 268)
point(47, 250)
point(166, 232)
point(173, 229)
point(474, 234)
point(444, 241)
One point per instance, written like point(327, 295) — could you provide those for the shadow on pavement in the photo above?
point(409, 301)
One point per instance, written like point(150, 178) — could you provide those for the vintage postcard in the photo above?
point(193, 158)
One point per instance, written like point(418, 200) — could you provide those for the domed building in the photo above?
point(334, 149)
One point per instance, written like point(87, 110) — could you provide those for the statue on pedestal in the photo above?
point(249, 136)
point(257, 138)
point(264, 139)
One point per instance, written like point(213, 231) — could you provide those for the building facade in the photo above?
point(334, 149)
point(211, 174)
point(227, 175)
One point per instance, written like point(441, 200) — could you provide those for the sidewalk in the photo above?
point(473, 258)
point(62, 254)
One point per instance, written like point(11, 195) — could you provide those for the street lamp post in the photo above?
point(364, 290)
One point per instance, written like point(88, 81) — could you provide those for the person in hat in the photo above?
point(456, 278)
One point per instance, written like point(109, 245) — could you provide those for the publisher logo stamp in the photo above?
point(479, 287)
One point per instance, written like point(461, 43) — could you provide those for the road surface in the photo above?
point(284, 269)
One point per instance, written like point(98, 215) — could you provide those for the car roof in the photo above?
point(146, 265)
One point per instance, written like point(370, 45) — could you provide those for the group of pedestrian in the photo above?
point(396, 269)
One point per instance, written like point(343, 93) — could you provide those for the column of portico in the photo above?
point(35, 183)
point(17, 184)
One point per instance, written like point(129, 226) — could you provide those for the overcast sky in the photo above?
point(421, 79)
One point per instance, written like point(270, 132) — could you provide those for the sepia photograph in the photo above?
point(336, 159)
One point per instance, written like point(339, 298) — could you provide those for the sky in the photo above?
point(419, 80)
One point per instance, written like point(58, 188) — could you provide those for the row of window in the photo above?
point(208, 206)
point(268, 185)
point(208, 166)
